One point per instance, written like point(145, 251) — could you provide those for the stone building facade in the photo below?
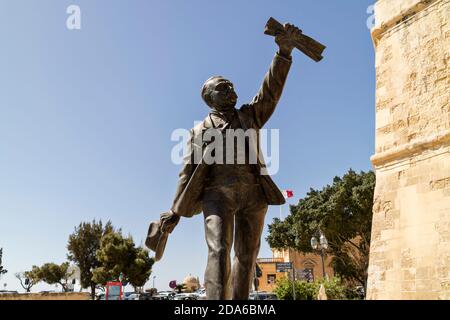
point(410, 245)
point(307, 266)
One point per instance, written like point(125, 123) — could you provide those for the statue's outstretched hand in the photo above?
point(286, 40)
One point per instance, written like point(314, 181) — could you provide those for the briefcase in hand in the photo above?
point(159, 231)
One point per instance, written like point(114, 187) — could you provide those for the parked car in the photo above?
point(132, 296)
point(185, 296)
point(167, 292)
point(126, 295)
point(165, 295)
point(145, 296)
point(100, 296)
point(262, 296)
point(201, 294)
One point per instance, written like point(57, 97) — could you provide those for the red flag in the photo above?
point(288, 194)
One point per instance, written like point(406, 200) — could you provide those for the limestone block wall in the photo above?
point(47, 296)
point(410, 246)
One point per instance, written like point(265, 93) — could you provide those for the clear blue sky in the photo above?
point(86, 116)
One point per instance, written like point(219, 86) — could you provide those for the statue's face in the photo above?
point(222, 94)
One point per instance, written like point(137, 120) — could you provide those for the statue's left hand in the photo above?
point(286, 40)
point(169, 221)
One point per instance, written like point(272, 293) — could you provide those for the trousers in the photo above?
point(235, 210)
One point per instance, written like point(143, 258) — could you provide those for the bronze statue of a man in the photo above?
point(232, 196)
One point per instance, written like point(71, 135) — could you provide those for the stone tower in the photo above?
point(410, 248)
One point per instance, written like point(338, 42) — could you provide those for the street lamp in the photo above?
point(154, 281)
point(320, 245)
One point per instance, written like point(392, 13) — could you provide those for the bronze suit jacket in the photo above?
point(188, 196)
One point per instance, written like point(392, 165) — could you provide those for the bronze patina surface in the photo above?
point(232, 196)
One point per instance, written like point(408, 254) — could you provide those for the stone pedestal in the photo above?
point(410, 245)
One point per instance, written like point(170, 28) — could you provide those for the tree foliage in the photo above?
point(140, 268)
point(304, 290)
point(83, 245)
point(102, 253)
point(53, 273)
point(179, 288)
point(28, 279)
point(120, 255)
point(343, 212)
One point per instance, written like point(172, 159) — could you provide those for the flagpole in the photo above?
point(281, 217)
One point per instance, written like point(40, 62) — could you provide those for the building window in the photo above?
point(271, 278)
point(306, 274)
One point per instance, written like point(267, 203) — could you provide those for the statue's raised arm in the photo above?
point(265, 101)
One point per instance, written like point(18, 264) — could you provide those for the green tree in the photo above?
point(284, 290)
point(334, 288)
point(180, 287)
point(28, 278)
point(2, 270)
point(120, 255)
point(83, 245)
point(140, 268)
point(343, 212)
point(304, 290)
point(53, 273)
